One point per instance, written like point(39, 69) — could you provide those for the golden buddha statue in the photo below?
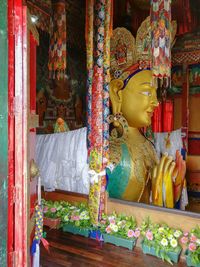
point(134, 173)
point(133, 155)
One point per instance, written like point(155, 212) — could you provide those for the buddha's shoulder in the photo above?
point(122, 149)
point(118, 150)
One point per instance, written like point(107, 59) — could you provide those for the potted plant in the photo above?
point(192, 242)
point(161, 241)
point(77, 220)
point(51, 214)
point(119, 230)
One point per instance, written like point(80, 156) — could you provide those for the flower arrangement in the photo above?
point(77, 215)
point(72, 218)
point(192, 241)
point(52, 213)
point(119, 229)
point(163, 239)
point(119, 225)
point(51, 209)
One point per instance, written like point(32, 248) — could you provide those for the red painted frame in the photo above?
point(17, 120)
point(11, 83)
point(32, 131)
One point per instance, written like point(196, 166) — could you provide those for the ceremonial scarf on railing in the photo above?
point(98, 30)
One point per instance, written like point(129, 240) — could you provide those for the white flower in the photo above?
point(114, 227)
point(161, 230)
point(170, 236)
point(84, 215)
point(177, 233)
point(119, 223)
point(198, 241)
point(164, 242)
point(66, 218)
point(173, 243)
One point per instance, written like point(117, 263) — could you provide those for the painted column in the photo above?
point(98, 31)
point(3, 133)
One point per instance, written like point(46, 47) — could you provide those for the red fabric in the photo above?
point(162, 120)
point(157, 119)
point(167, 117)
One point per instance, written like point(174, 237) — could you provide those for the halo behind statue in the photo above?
point(143, 42)
point(126, 51)
point(122, 51)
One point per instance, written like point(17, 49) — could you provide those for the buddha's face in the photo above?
point(139, 100)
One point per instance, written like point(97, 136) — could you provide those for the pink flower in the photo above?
point(137, 233)
point(75, 218)
point(192, 247)
point(186, 234)
point(112, 221)
point(53, 210)
point(45, 209)
point(149, 235)
point(131, 233)
point(193, 238)
point(184, 240)
point(108, 229)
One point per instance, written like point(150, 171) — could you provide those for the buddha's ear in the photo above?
point(116, 86)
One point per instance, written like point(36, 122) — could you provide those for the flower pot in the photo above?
point(52, 223)
point(75, 230)
point(119, 241)
point(174, 256)
point(189, 260)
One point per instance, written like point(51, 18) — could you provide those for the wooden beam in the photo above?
point(59, 195)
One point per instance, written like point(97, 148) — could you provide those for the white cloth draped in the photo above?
point(62, 160)
point(175, 140)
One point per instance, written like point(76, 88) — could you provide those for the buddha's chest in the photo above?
point(132, 166)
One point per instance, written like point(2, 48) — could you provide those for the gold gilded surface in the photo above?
point(136, 102)
point(135, 173)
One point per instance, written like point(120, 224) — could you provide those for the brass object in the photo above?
point(34, 170)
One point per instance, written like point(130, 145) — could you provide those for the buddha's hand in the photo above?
point(162, 186)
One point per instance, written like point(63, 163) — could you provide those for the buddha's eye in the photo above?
point(147, 93)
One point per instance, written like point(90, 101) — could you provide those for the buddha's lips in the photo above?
point(150, 113)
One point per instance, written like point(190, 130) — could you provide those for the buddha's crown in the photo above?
point(130, 55)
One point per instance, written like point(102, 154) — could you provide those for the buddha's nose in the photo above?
point(154, 101)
